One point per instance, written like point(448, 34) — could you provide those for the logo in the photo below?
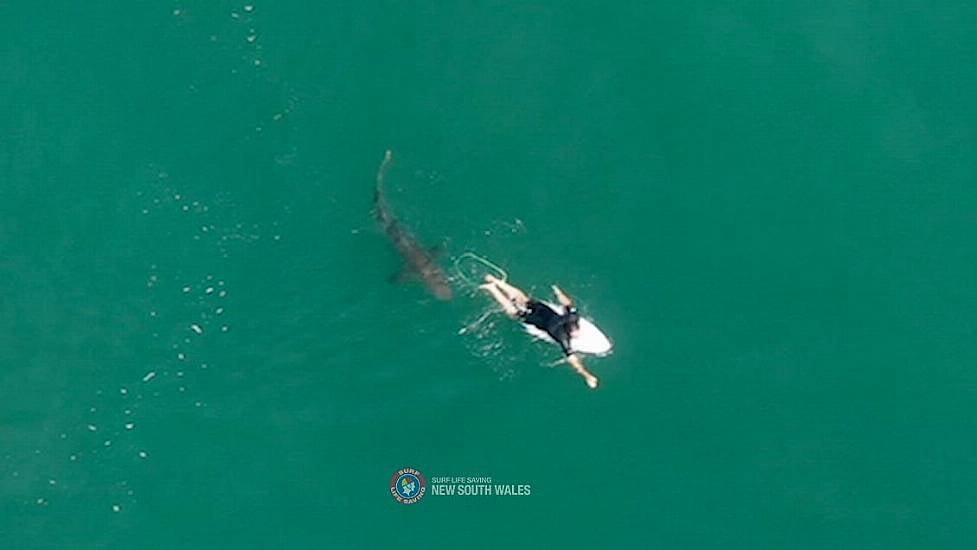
point(407, 486)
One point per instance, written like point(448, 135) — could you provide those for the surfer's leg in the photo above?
point(512, 292)
point(501, 298)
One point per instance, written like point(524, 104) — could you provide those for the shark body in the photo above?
point(419, 260)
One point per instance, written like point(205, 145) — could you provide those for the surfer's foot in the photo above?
point(489, 283)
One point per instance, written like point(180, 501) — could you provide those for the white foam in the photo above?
point(149, 376)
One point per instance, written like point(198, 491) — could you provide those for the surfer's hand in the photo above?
point(578, 366)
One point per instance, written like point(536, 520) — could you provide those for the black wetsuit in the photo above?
point(557, 325)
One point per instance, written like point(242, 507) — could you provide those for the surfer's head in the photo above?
point(573, 319)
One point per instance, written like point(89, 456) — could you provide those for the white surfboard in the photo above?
point(589, 339)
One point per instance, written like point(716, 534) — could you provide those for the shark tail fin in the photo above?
point(379, 204)
point(382, 171)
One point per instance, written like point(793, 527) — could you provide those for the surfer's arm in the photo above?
point(564, 300)
point(578, 366)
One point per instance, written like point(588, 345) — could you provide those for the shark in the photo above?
point(419, 261)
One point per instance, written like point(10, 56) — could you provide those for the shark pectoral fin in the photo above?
point(405, 275)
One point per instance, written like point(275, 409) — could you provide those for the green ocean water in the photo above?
point(771, 209)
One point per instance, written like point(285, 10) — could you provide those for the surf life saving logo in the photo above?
point(407, 486)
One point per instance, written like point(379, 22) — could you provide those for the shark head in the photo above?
point(440, 287)
point(436, 282)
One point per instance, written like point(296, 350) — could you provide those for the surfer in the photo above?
point(559, 326)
